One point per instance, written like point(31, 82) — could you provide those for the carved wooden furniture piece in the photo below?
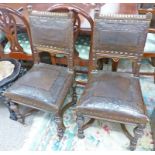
point(45, 86)
point(77, 13)
point(116, 96)
point(9, 26)
point(149, 50)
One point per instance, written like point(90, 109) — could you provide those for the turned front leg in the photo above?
point(80, 123)
point(14, 108)
point(138, 132)
point(74, 95)
point(60, 126)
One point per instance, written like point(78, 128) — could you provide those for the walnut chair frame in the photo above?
point(115, 36)
point(46, 86)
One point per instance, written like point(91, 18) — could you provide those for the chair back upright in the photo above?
point(52, 32)
point(119, 36)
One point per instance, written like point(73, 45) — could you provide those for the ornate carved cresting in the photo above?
point(119, 36)
point(52, 32)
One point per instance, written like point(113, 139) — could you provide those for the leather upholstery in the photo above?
point(45, 30)
point(52, 32)
point(116, 96)
point(43, 87)
point(109, 95)
point(113, 96)
point(82, 46)
point(120, 38)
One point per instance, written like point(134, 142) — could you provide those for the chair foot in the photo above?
point(12, 113)
point(80, 122)
point(60, 126)
point(138, 132)
point(15, 113)
point(114, 65)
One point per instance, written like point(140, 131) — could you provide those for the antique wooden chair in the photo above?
point(149, 50)
point(45, 86)
point(115, 96)
point(14, 27)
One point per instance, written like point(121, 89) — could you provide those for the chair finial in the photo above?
point(29, 8)
point(149, 15)
point(97, 12)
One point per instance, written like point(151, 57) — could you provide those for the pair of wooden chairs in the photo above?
point(112, 96)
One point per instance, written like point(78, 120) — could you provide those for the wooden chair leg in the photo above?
point(114, 66)
point(72, 103)
point(106, 60)
point(80, 123)
point(100, 64)
point(12, 113)
point(14, 108)
point(138, 132)
point(60, 126)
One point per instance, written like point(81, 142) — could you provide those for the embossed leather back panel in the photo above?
point(123, 35)
point(52, 30)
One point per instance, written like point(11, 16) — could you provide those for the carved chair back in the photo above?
point(52, 32)
point(119, 36)
point(9, 25)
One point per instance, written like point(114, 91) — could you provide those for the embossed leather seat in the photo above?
point(42, 87)
point(115, 96)
point(45, 86)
